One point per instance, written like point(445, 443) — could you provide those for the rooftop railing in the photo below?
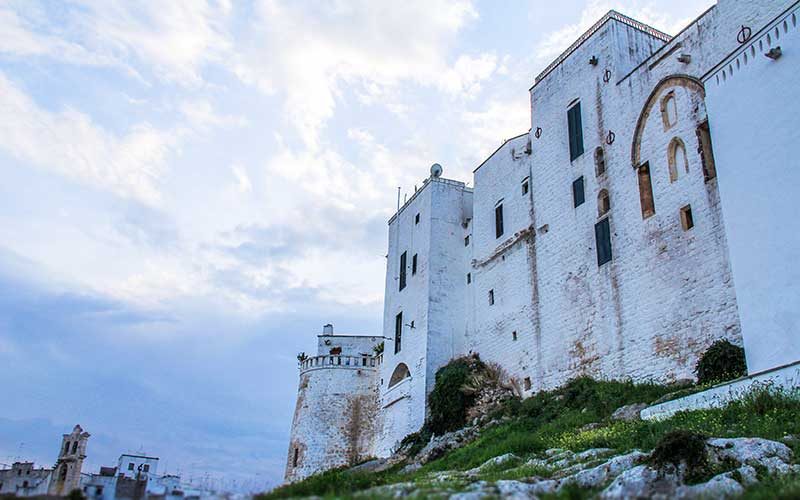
point(331, 361)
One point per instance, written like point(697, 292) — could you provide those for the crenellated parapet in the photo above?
point(340, 362)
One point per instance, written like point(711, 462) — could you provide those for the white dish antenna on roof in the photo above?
point(436, 170)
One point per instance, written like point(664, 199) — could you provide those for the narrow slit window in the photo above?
point(416, 219)
point(514, 336)
point(491, 297)
point(578, 195)
point(398, 332)
point(602, 236)
point(498, 220)
point(402, 271)
point(414, 265)
point(525, 187)
point(599, 161)
point(527, 383)
point(646, 191)
point(296, 457)
point(706, 151)
point(575, 131)
point(469, 278)
point(466, 240)
point(687, 221)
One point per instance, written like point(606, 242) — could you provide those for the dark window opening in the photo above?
point(74, 447)
point(416, 219)
point(24, 484)
point(646, 191)
point(706, 151)
point(466, 240)
point(414, 265)
point(398, 332)
point(63, 474)
point(147, 467)
point(514, 336)
point(575, 131)
point(599, 161)
point(296, 457)
point(687, 221)
point(602, 236)
point(527, 383)
point(491, 297)
point(578, 194)
point(130, 466)
point(402, 271)
point(469, 278)
point(525, 187)
point(66, 447)
point(99, 490)
point(498, 220)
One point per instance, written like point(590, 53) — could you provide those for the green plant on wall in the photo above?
point(722, 361)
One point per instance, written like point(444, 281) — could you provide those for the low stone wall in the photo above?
point(787, 377)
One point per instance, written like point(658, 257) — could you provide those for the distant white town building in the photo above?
point(647, 213)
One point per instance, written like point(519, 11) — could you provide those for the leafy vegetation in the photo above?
point(448, 402)
point(722, 361)
point(682, 447)
point(559, 418)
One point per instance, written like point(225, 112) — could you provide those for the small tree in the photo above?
point(76, 494)
point(449, 401)
point(722, 361)
point(378, 349)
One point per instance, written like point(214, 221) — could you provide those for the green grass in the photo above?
point(784, 488)
point(554, 420)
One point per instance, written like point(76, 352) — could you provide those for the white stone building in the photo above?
point(598, 242)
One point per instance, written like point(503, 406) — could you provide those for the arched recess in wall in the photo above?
point(688, 82)
point(399, 374)
point(676, 158)
point(603, 203)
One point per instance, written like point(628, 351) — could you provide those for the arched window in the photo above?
point(669, 110)
point(676, 156)
point(74, 447)
point(399, 374)
point(603, 203)
point(62, 475)
point(66, 447)
point(599, 161)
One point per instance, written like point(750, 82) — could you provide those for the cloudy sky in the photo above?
point(191, 189)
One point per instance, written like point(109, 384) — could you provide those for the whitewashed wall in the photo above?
point(754, 104)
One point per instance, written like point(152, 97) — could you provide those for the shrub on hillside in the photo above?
point(682, 447)
point(448, 402)
point(722, 361)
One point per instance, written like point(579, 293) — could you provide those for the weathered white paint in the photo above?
point(668, 291)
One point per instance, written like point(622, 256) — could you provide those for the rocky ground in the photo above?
point(734, 464)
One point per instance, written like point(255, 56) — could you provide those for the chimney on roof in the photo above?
point(327, 329)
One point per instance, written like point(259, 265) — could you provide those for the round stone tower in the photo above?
point(337, 405)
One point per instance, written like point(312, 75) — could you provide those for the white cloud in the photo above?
point(200, 113)
point(243, 183)
point(68, 142)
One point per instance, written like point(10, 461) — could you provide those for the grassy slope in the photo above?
point(554, 420)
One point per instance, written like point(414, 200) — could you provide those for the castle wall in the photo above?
point(504, 265)
point(336, 415)
point(753, 107)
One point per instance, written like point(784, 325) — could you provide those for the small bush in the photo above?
point(682, 446)
point(448, 402)
point(722, 361)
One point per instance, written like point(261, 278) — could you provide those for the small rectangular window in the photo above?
point(687, 221)
point(527, 383)
point(466, 240)
point(414, 265)
point(147, 467)
point(398, 332)
point(525, 187)
point(498, 220)
point(578, 194)
point(514, 336)
point(296, 457)
point(602, 236)
point(491, 297)
point(130, 466)
point(469, 278)
point(575, 131)
point(706, 151)
point(402, 271)
point(416, 219)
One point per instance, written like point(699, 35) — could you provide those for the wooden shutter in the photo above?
point(602, 235)
point(402, 270)
point(575, 131)
point(578, 195)
point(498, 221)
